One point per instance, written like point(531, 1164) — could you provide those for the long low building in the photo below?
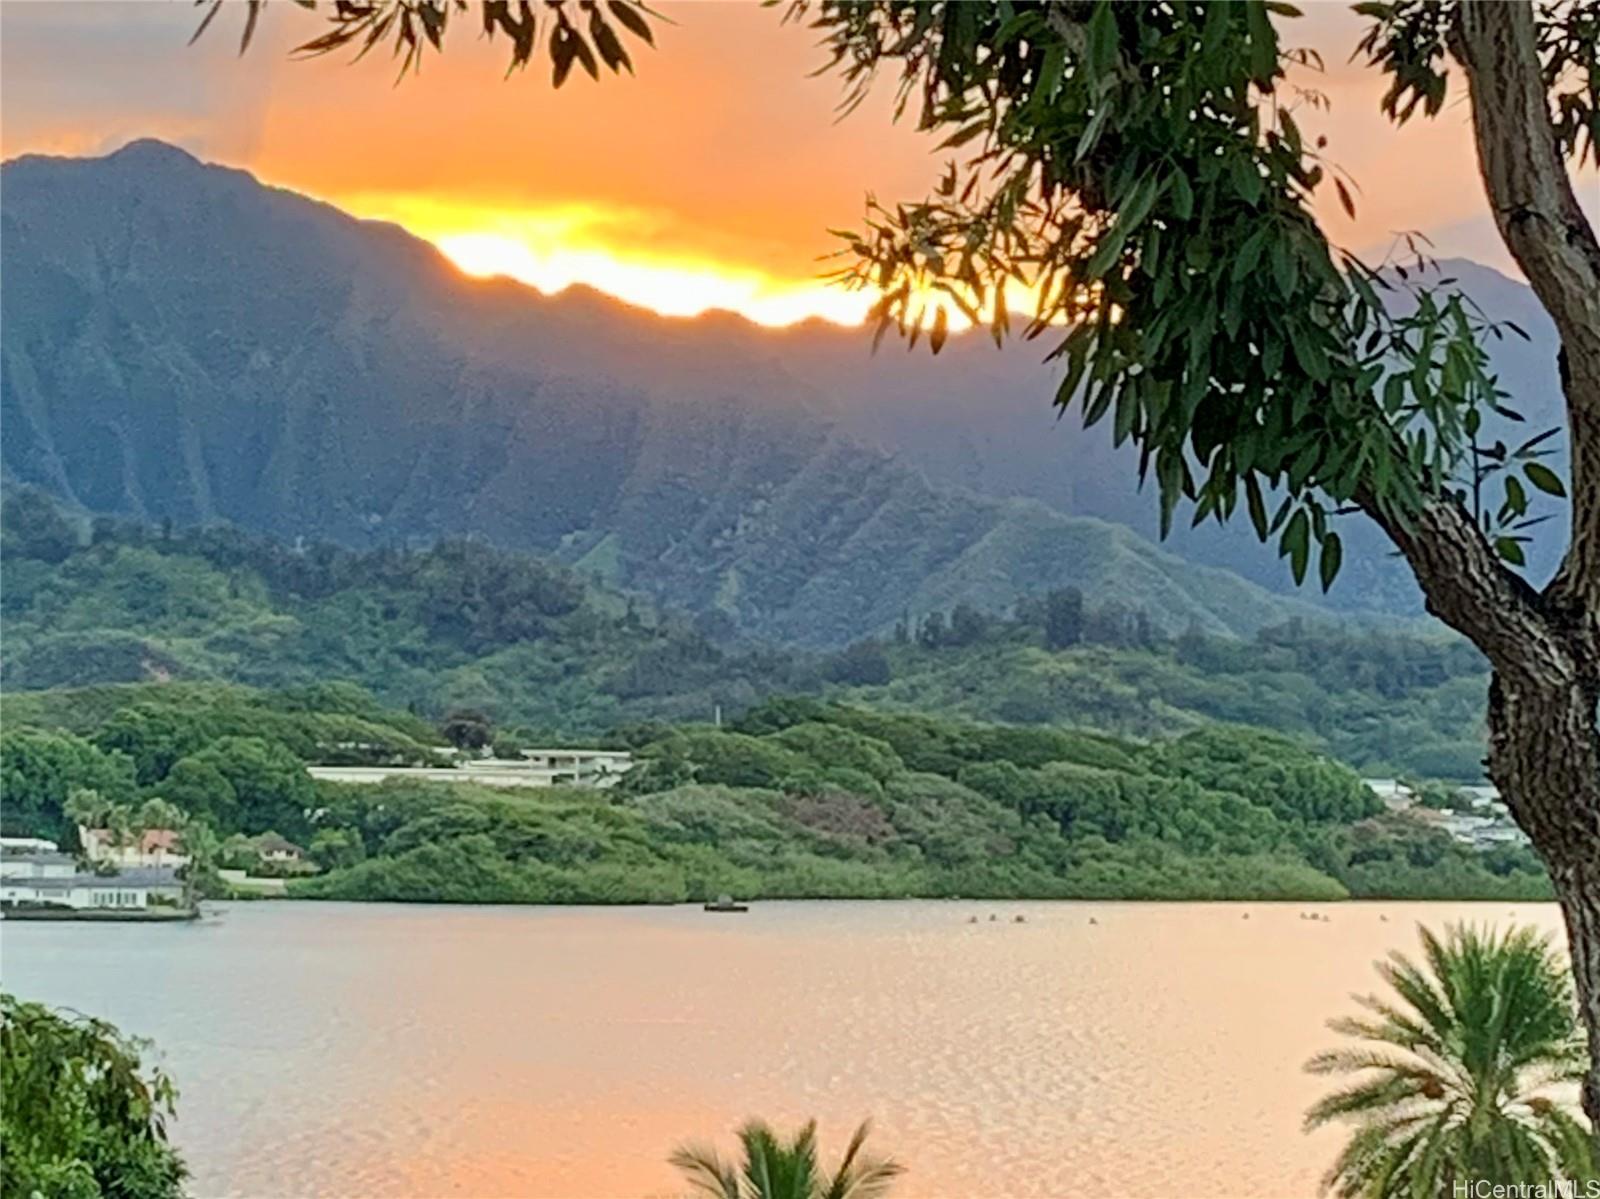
point(537, 768)
point(130, 890)
point(49, 864)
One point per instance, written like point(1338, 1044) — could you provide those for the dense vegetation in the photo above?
point(80, 1115)
point(207, 668)
point(801, 797)
point(533, 644)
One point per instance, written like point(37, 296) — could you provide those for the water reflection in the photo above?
point(1090, 1049)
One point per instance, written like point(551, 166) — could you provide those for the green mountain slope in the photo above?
point(532, 643)
point(183, 344)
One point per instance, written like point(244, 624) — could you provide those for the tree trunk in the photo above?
point(1578, 886)
point(1544, 756)
point(1544, 647)
point(1544, 742)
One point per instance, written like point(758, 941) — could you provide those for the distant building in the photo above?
point(1484, 824)
point(535, 768)
point(274, 848)
point(129, 890)
point(155, 848)
point(26, 845)
point(37, 865)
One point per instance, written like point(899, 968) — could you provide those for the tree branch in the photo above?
point(1547, 233)
point(1466, 585)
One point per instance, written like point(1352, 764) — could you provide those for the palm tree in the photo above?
point(201, 845)
point(774, 1170)
point(1462, 1078)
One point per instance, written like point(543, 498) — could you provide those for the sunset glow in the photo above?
point(707, 181)
point(670, 288)
point(613, 251)
point(608, 250)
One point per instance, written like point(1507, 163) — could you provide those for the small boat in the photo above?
point(725, 903)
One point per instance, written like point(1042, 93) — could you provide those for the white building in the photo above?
point(27, 845)
point(37, 865)
point(131, 890)
point(536, 768)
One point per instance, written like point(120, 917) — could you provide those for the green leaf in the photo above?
point(1509, 549)
point(1091, 133)
point(1249, 254)
point(1516, 498)
point(1127, 413)
point(1170, 476)
point(1257, 505)
point(1296, 544)
point(1101, 54)
point(1182, 195)
point(1263, 41)
point(1545, 479)
point(1332, 556)
point(1076, 362)
point(1247, 179)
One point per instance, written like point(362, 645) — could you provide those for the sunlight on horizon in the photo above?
point(672, 289)
point(610, 250)
point(551, 249)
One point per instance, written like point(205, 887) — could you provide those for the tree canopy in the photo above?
point(82, 1117)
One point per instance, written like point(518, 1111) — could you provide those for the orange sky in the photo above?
point(707, 180)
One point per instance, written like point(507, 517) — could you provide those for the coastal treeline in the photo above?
point(800, 797)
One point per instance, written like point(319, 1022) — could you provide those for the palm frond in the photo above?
point(706, 1172)
point(1460, 1077)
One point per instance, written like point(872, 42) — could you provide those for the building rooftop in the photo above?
point(144, 876)
point(41, 859)
point(14, 845)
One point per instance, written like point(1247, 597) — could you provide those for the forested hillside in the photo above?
point(800, 798)
point(536, 646)
point(982, 419)
point(184, 344)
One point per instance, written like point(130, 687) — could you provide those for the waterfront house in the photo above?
point(129, 890)
point(153, 849)
point(275, 848)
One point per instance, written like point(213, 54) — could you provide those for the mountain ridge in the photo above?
point(184, 343)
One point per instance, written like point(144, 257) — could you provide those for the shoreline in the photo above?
point(91, 916)
point(755, 904)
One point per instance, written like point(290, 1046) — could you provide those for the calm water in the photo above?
point(353, 1050)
